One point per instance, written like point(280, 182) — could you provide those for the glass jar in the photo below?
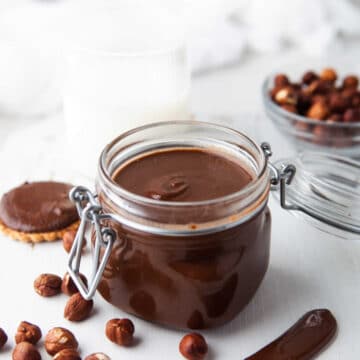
point(185, 264)
point(197, 264)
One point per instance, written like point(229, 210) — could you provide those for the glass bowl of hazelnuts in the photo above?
point(319, 112)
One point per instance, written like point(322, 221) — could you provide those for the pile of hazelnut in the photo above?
point(320, 97)
point(61, 343)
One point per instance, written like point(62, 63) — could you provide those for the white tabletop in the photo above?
point(308, 269)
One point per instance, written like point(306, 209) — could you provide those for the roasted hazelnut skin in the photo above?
point(68, 286)
point(281, 80)
point(77, 308)
point(3, 338)
point(328, 74)
point(27, 332)
point(193, 346)
point(67, 354)
point(97, 356)
point(25, 351)
point(350, 81)
point(120, 331)
point(318, 111)
point(58, 339)
point(309, 77)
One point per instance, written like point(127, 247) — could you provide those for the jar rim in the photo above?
point(115, 187)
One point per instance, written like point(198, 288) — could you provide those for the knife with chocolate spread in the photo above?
point(305, 339)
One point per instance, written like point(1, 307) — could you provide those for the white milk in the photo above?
point(128, 68)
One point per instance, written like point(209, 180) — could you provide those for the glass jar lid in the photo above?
point(326, 190)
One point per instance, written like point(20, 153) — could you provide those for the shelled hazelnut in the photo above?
point(281, 80)
point(27, 332)
point(328, 74)
point(318, 110)
point(286, 96)
point(58, 339)
point(68, 240)
point(77, 308)
point(309, 77)
point(68, 286)
point(25, 351)
point(67, 354)
point(120, 331)
point(193, 346)
point(350, 81)
point(48, 285)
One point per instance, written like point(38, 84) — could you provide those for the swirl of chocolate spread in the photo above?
point(183, 175)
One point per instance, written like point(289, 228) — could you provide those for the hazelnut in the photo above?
point(290, 108)
point(328, 74)
point(48, 285)
point(309, 77)
point(349, 93)
point(68, 240)
point(286, 95)
point(319, 99)
point(355, 102)
point(281, 80)
point(337, 102)
point(319, 87)
point(68, 286)
point(58, 339)
point(27, 332)
point(318, 111)
point(77, 308)
point(274, 91)
point(67, 354)
point(97, 356)
point(350, 81)
point(193, 346)
point(25, 351)
point(352, 115)
point(120, 331)
point(3, 338)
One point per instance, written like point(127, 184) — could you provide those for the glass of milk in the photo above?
point(125, 67)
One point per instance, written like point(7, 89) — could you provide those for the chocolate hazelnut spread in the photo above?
point(306, 338)
point(191, 280)
point(38, 207)
point(183, 175)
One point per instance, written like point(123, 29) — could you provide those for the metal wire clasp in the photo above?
point(91, 215)
point(283, 176)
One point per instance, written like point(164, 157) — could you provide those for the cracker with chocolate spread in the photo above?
point(38, 211)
